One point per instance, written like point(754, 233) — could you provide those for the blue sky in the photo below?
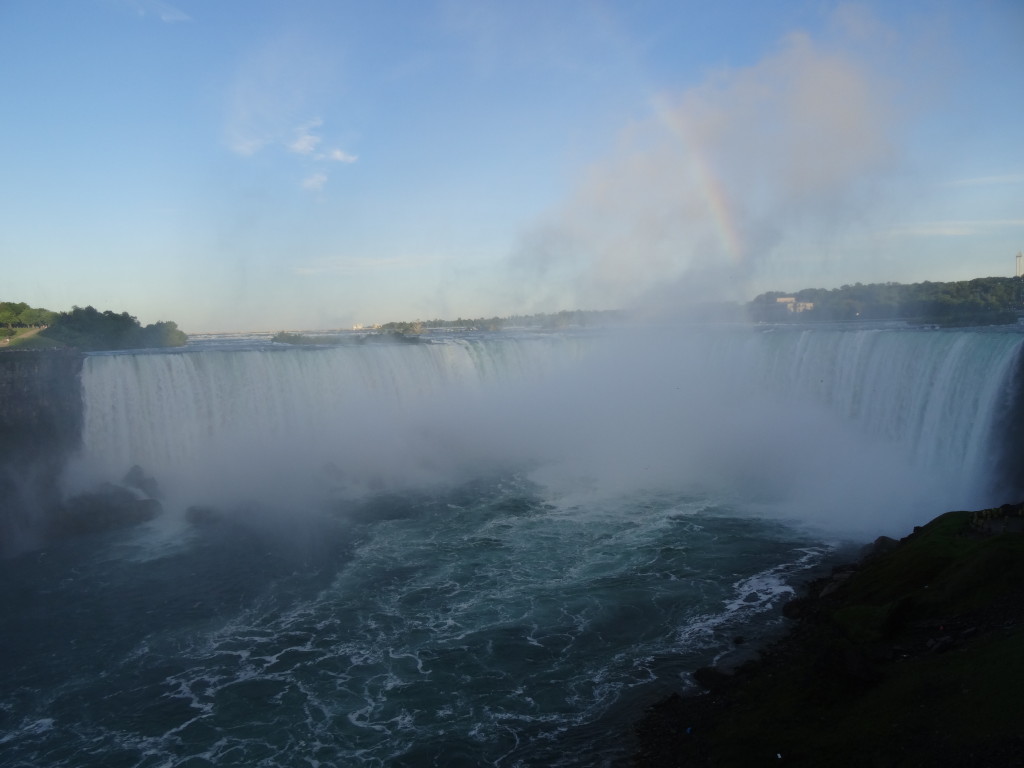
point(241, 164)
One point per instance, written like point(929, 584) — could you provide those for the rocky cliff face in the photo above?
point(40, 425)
point(1009, 449)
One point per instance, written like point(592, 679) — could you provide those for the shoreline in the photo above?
point(908, 657)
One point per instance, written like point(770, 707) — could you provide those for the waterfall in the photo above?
point(941, 395)
point(835, 421)
point(265, 419)
point(485, 549)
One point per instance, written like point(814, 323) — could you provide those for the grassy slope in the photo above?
point(31, 338)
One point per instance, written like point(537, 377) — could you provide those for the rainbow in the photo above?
point(707, 182)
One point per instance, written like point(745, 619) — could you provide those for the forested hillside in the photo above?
point(984, 300)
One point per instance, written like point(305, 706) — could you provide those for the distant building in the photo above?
point(792, 305)
point(1020, 264)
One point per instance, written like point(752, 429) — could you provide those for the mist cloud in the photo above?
point(723, 181)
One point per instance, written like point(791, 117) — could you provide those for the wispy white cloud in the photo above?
point(274, 105)
point(955, 228)
point(353, 265)
point(277, 86)
point(340, 156)
point(315, 182)
point(859, 23)
point(935, 229)
point(347, 265)
point(166, 12)
point(306, 142)
point(246, 145)
point(986, 181)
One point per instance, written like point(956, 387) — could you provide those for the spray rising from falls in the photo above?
point(866, 430)
point(270, 423)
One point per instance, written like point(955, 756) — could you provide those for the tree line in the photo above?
point(984, 300)
point(88, 328)
point(578, 318)
point(18, 314)
point(981, 301)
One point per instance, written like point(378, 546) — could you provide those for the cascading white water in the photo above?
point(936, 393)
point(212, 423)
point(928, 404)
point(862, 431)
point(825, 423)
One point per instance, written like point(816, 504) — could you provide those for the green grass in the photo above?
point(31, 338)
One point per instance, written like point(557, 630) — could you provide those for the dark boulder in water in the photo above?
point(108, 507)
point(136, 478)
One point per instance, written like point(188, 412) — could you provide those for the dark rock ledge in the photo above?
point(912, 657)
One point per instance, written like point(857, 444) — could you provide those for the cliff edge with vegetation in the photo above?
point(41, 418)
point(24, 327)
point(911, 657)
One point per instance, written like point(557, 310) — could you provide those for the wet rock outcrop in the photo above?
point(40, 426)
point(108, 506)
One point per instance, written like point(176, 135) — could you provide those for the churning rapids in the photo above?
point(483, 550)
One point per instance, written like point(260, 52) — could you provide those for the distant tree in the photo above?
point(11, 313)
point(405, 328)
point(8, 315)
point(163, 334)
point(88, 328)
point(36, 317)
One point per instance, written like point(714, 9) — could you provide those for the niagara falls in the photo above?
point(483, 548)
point(465, 383)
